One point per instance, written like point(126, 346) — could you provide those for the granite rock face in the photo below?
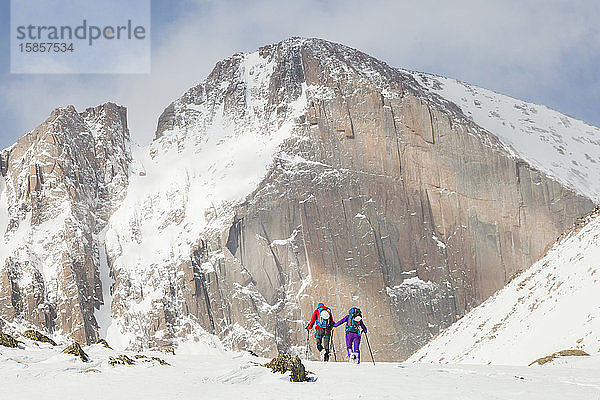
point(393, 202)
point(61, 182)
point(382, 195)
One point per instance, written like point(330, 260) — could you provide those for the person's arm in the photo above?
point(341, 321)
point(362, 325)
point(312, 320)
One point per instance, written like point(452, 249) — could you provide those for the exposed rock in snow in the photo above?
point(76, 350)
point(38, 337)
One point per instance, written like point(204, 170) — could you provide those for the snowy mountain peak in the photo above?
point(242, 213)
point(564, 148)
point(303, 172)
point(258, 87)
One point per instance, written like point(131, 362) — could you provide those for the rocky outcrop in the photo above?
point(76, 350)
point(60, 184)
point(121, 359)
point(381, 195)
point(103, 343)
point(562, 353)
point(284, 363)
point(38, 337)
point(8, 341)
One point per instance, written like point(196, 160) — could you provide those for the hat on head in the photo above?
point(320, 305)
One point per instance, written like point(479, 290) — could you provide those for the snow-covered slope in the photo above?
point(563, 147)
point(33, 372)
point(553, 306)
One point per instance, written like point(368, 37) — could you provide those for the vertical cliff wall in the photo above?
point(60, 184)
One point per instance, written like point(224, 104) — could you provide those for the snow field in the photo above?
point(36, 371)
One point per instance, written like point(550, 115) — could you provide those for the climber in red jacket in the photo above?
point(324, 323)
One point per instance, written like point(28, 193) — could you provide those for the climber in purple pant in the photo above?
point(353, 322)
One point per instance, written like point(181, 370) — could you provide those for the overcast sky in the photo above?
point(543, 51)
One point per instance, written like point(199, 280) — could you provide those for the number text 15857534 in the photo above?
point(48, 47)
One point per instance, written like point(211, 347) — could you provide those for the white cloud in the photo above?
point(516, 47)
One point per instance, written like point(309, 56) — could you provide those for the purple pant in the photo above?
point(353, 341)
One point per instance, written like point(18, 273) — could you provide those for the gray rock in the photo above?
point(63, 180)
point(395, 202)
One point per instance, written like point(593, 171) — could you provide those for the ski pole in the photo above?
point(307, 340)
point(333, 346)
point(368, 344)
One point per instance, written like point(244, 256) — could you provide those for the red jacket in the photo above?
point(314, 319)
